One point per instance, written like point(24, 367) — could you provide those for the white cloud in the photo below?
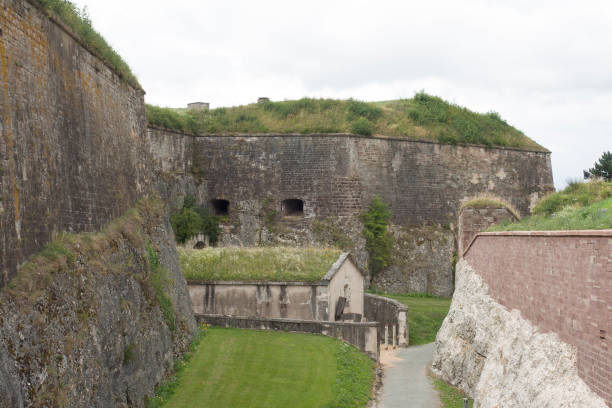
point(545, 65)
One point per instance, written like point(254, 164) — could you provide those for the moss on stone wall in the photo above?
point(89, 311)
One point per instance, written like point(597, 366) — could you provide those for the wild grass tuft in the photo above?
point(424, 117)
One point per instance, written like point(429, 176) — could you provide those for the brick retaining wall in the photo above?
point(562, 282)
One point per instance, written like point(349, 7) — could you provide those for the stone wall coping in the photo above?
point(64, 27)
point(397, 304)
point(336, 267)
point(345, 135)
point(562, 233)
point(264, 319)
point(257, 283)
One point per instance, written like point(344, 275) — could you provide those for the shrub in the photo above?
point(379, 242)
point(192, 220)
point(362, 126)
point(129, 354)
point(186, 224)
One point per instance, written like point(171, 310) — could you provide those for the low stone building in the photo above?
point(337, 296)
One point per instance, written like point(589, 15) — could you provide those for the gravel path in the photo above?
point(405, 383)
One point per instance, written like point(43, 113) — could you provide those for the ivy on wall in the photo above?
point(379, 241)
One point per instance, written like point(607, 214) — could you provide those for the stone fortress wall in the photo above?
point(336, 176)
point(73, 149)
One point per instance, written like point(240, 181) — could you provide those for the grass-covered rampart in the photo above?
point(579, 206)
point(79, 22)
point(257, 264)
point(423, 117)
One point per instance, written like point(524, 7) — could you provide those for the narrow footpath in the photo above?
point(405, 382)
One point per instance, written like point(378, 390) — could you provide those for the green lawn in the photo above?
point(425, 315)
point(249, 368)
point(257, 263)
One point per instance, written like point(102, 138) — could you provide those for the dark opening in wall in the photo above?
point(220, 207)
point(293, 207)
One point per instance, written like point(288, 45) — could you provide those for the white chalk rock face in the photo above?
point(500, 359)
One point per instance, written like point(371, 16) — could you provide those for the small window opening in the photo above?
point(293, 208)
point(602, 334)
point(220, 207)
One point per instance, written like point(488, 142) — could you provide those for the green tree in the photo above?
point(379, 241)
point(603, 168)
point(186, 223)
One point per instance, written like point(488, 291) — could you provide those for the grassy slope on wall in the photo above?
point(424, 117)
point(257, 264)
point(579, 206)
point(79, 21)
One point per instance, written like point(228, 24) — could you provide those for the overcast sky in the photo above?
point(545, 66)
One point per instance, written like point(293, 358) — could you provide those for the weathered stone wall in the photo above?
point(559, 282)
point(337, 176)
point(388, 313)
point(363, 335)
point(421, 261)
point(81, 325)
point(474, 220)
point(73, 151)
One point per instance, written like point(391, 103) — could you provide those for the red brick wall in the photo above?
point(562, 282)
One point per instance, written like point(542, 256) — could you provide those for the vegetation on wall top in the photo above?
point(79, 21)
point(423, 117)
point(579, 206)
point(490, 201)
point(257, 264)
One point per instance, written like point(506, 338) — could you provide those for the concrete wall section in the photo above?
point(388, 313)
point(364, 336)
point(561, 281)
point(73, 145)
point(287, 300)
